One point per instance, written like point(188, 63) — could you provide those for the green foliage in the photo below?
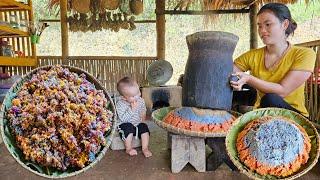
point(40, 10)
point(302, 11)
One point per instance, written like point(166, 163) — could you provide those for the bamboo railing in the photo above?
point(313, 85)
point(107, 69)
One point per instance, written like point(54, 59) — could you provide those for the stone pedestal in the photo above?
point(186, 149)
point(155, 95)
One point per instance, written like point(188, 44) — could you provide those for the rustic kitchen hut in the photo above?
point(108, 69)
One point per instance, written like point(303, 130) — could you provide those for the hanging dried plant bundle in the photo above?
point(94, 23)
point(73, 23)
point(131, 22)
point(116, 25)
point(126, 24)
point(102, 20)
point(95, 6)
point(108, 22)
point(98, 15)
point(83, 22)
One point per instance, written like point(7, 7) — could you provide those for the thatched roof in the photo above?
point(232, 4)
point(208, 4)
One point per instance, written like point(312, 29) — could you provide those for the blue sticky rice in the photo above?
point(188, 114)
point(274, 143)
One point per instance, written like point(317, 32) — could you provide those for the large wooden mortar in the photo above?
point(207, 72)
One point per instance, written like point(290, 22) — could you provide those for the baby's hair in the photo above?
point(125, 81)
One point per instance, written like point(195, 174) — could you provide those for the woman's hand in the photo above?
point(243, 79)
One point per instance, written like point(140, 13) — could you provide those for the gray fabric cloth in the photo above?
point(126, 114)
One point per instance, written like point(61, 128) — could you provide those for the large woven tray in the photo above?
point(243, 120)
point(158, 115)
point(9, 139)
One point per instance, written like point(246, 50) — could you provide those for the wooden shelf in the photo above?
point(10, 61)
point(6, 31)
point(12, 4)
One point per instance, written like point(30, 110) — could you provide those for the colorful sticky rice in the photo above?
point(201, 120)
point(59, 119)
point(273, 146)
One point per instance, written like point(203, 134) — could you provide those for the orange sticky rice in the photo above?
point(201, 120)
point(280, 170)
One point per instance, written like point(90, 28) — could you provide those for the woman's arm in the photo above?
point(236, 69)
point(289, 83)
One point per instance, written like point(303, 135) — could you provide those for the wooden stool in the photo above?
point(118, 144)
point(187, 149)
point(218, 155)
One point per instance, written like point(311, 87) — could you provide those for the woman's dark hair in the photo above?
point(282, 12)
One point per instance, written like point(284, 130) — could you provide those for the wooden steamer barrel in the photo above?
point(207, 72)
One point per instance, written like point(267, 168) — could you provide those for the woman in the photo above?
point(279, 70)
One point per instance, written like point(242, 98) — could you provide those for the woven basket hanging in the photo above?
point(110, 4)
point(136, 6)
point(81, 6)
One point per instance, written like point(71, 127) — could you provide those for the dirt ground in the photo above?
point(117, 165)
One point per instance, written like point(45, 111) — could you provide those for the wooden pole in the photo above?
point(30, 13)
point(253, 26)
point(161, 29)
point(64, 31)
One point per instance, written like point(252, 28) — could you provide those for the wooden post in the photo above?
point(30, 14)
point(64, 31)
point(161, 29)
point(253, 26)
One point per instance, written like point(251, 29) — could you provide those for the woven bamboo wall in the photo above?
point(313, 85)
point(108, 70)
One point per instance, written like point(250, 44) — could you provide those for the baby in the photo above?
point(132, 113)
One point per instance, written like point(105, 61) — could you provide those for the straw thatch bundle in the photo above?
point(228, 4)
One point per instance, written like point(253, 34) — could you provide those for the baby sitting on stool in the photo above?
point(131, 110)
